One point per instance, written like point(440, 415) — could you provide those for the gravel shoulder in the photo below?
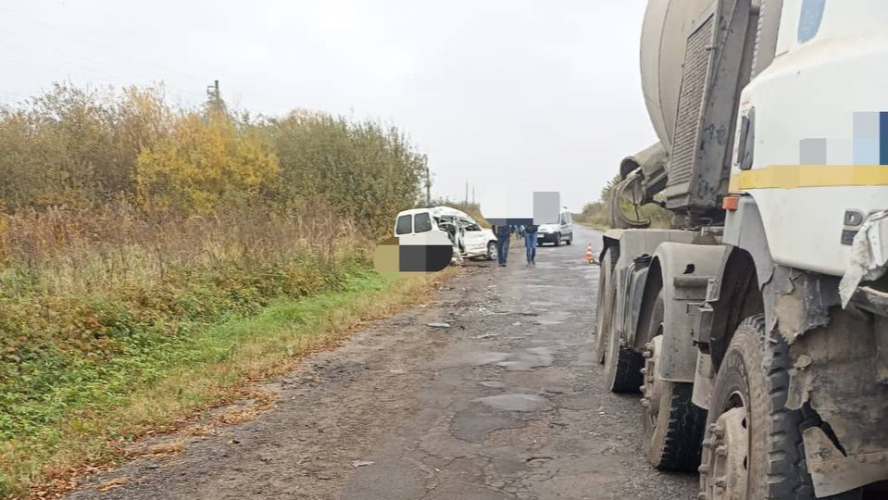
point(507, 403)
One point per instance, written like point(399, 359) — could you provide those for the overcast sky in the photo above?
point(519, 94)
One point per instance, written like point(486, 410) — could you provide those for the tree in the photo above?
point(206, 163)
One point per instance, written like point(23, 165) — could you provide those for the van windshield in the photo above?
point(422, 223)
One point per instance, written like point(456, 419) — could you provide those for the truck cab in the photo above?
point(756, 328)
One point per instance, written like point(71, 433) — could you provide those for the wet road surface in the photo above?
point(507, 403)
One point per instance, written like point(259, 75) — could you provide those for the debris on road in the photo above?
point(484, 336)
point(438, 325)
point(361, 463)
point(112, 484)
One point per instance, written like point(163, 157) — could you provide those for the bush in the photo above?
point(367, 172)
point(83, 149)
point(129, 226)
point(204, 163)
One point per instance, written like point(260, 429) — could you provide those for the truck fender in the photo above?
point(744, 229)
point(634, 299)
point(685, 271)
point(634, 248)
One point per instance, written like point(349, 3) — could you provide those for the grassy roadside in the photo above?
point(156, 390)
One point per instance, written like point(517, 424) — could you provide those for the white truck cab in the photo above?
point(821, 98)
point(756, 327)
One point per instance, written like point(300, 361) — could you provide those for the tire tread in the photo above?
point(684, 432)
point(628, 377)
point(787, 471)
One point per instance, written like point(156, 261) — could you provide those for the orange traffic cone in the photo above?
point(590, 257)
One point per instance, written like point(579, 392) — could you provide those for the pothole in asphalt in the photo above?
point(470, 359)
point(534, 357)
point(516, 402)
point(474, 424)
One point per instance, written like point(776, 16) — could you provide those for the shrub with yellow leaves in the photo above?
point(204, 163)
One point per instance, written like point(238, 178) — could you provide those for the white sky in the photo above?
point(520, 94)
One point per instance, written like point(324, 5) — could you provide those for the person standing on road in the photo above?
point(530, 244)
point(503, 235)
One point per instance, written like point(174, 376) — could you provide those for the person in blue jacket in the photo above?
point(503, 235)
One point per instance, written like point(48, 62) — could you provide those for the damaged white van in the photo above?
point(472, 240)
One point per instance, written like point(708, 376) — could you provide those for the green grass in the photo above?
point(145, 369)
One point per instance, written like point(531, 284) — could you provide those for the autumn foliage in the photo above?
point(129, 226)
point(81, 149)
point(202, 164)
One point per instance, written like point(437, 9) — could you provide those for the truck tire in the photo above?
point(673, 425)
point(491, 251)
point(604, 304)
point(622, 365)
point(558, 240)
point(762, 455)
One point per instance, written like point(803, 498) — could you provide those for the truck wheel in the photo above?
point(622, 366)
point(570, 240)
point(558, 240)
point(673, 425)
point(491, 250)
point(753, 448)
point(604, 305)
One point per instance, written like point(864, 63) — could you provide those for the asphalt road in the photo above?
point(507, 403)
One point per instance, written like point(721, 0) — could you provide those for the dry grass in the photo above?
point(268, 345)
point(70, 253)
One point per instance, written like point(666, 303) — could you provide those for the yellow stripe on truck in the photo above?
point(807, 176)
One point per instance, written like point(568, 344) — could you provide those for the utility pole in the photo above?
point(428, 186)
point(213, 91)
point(473, 195)
point(214, 95)
point(467, 192)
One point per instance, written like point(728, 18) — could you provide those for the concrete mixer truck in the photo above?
point(756, 327)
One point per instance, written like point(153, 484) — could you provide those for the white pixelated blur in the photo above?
point(543, 207)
